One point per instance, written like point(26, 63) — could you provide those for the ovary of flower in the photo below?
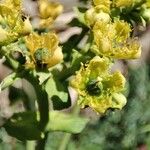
point(97, 88)
point(43, 50)
point(113, 40)
point(11, 21)
point(49, 11)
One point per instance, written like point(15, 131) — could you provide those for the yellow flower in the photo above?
point(97, 88)
point(123, 3)
point(105, 3)
point(96, 14)
point(99, 12)
point(11, 21)
point(43, 50)
point(3, 34)
point(49, 11)
point(148, 3)
point(113, 40)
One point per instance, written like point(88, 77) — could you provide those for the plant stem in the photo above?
point(30, 145)
point(42, 99)
point(67, 136)
point(65, 141)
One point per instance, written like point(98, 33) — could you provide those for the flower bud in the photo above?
point(93, 15)
point(27, 28)
point(119, 100)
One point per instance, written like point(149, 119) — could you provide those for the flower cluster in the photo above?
point(42, 50)
point(113, 40)
point(12, 22)
point(96, 86)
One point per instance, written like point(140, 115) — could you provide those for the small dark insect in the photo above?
point(93, 88)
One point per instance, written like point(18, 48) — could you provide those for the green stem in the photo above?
point(9, 80)
point(41, 143)
point(67, 136)
point(42, 99)
point(30, 145)
point(65, 141)
point(10, 62)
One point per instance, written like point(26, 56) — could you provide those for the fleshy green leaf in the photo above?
point(24, 126)
point(55, 88)
point(76, 23)
point(80, 12)
point(43, 76)
point(60, 121)
point(9, 80)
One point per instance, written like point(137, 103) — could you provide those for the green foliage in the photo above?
point(66, 122)
point(24, 126)
point(55, 89)
point(8, 81)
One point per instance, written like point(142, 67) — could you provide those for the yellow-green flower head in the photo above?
point(96, 14)
point(105, 3)
point(12, 24)
point(123, 3)
point(113, 40)
point(43, 50)
point(97, 88)
point(148, 3)
point(99, 12)
point(49, 11)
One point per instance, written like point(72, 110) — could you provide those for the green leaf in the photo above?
point(24, 126)
point(80, 12)
point(76, 23)
point(43, 76)
point(67, 47)
point(9, 80)
point(55, 88)
point(78, 58)
point(60, 121)
point(75, 57)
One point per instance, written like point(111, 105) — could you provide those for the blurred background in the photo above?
point(128, 129)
